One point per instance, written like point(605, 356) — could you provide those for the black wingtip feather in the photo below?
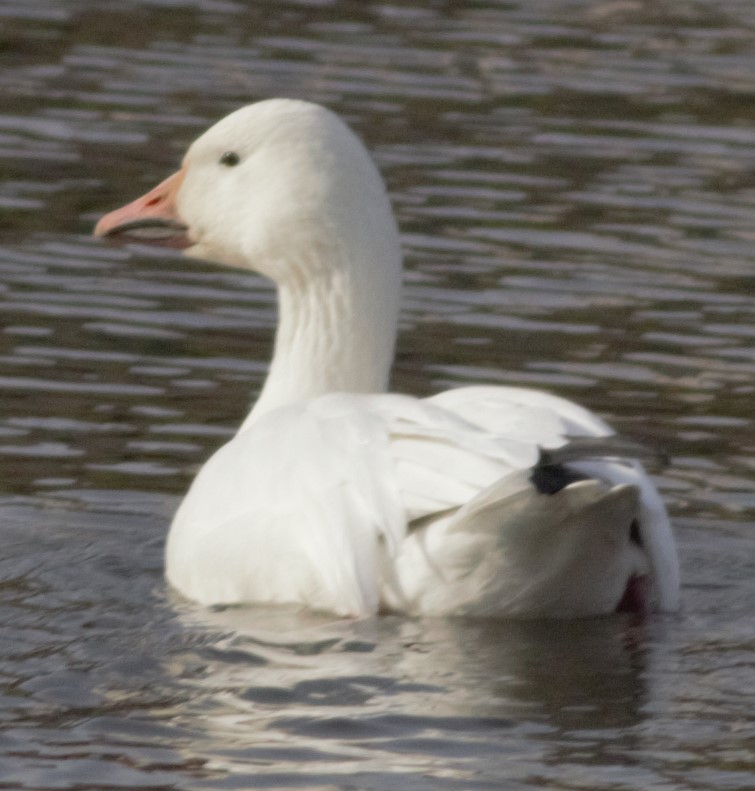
point(552, 478)
point(611, 447)
point(551, 473)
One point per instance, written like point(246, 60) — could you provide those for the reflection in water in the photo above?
point(371, 691)
point(574, 187)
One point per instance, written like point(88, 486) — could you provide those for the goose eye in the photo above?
point(230, 158)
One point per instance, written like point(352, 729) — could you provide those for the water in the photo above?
point(574, 183)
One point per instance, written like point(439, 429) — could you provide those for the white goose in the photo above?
point(341, 497)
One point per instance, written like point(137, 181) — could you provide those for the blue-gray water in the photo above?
point(575, 186)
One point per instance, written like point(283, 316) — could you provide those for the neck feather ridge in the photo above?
point(335, 334)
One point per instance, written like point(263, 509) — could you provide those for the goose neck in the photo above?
point(332, 336)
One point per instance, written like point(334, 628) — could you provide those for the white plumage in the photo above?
point(339, 496)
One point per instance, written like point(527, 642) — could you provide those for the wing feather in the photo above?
point(293, 509)
point(312, 502)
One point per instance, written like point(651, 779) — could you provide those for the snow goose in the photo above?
point(335, 494)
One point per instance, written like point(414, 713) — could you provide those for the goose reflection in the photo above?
point(407, 690)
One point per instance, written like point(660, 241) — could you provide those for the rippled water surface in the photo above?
point(575, 186)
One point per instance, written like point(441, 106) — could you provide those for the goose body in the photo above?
point(340, 496)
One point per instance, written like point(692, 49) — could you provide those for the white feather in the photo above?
point(339, 496)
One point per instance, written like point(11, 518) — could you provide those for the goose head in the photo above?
point(282, 187)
